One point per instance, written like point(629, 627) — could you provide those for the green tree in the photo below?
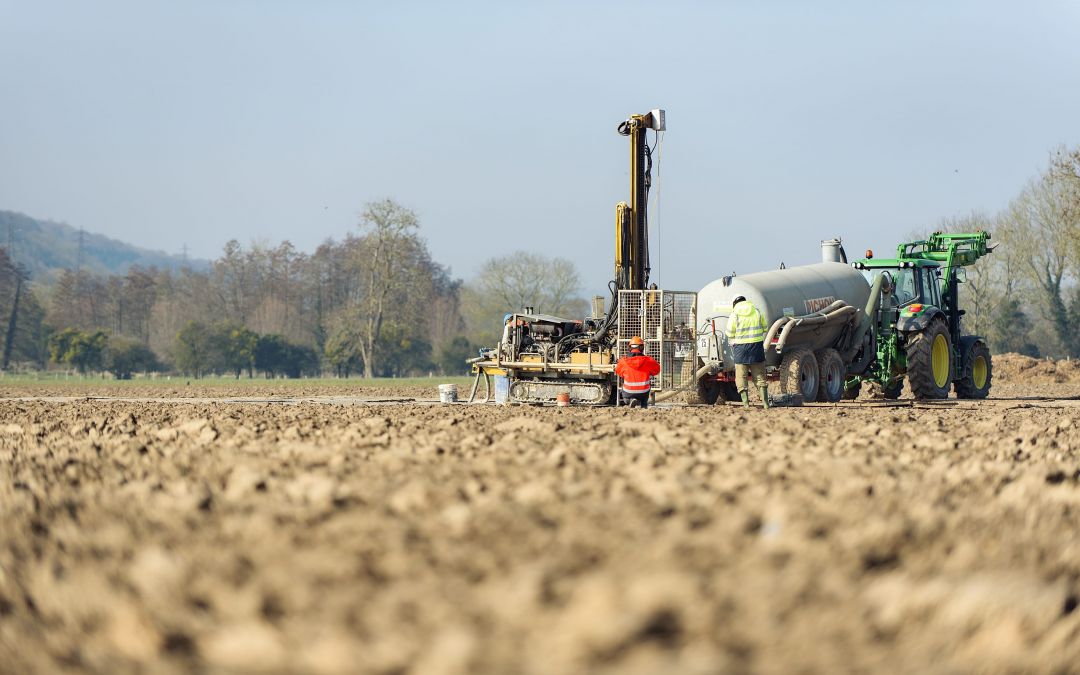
point(274, 355)
point(1011, 327)
point(342, 350)
point(60, 344)
point(233, 348)
point(300, 360)
point(123, 356)
point(453, 356)
point(88, 351)
point(84, 351)
point(404, 352)
point(193, 349)
point(271, 352)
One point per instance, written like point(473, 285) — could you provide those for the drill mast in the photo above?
point(631, 220)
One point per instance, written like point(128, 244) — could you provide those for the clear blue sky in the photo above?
point(165, 123)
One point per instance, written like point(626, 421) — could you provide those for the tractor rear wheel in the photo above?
point(929, 361)
point(831, 371)
point(799, 374)
point(977, 370)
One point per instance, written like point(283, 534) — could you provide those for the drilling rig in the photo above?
point(541, 356)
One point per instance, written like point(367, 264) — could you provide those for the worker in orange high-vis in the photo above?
point(636, 371)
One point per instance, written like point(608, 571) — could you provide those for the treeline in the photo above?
point(375, 303)
point(378, 304)
point(1024, 296)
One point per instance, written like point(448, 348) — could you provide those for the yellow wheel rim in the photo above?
point(939, 360)
point(978, 372)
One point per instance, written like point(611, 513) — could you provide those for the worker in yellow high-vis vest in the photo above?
point(746, 334)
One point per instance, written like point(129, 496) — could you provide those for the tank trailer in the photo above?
point(835, 326)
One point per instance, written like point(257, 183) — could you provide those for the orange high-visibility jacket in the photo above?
point(635, 372)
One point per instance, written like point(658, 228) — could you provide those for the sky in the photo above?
point(173, 124)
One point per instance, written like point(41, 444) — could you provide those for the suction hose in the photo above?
point(834, 312)
point(783, 321)
point(775, 328)
point(707, 369)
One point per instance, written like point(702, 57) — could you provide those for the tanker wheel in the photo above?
point(730, 392)
point(709, 391)
point(929, 361)
point(831, 371)
point(706, 391)
point(977, 371)
point(799, 374)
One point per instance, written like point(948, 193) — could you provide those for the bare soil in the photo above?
point(417, 538)
point(1019, 369)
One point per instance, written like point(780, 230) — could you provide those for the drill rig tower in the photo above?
point(541, 356)
point(632, 220)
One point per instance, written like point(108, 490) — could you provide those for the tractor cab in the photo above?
point(914, 282)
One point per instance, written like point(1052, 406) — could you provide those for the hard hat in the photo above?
point(637, 341)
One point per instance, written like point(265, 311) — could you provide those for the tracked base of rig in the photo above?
point(547, 391)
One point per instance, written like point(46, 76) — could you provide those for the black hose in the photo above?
point(612, 316)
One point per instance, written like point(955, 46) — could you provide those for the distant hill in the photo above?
point(46, 248)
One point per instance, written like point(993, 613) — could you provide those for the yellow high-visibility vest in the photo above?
point(746, 324)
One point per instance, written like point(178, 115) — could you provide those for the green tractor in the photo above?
point(917, 331)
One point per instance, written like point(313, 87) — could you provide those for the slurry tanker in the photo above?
point(835, 326)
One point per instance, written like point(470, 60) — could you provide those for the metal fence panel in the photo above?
point(665, 321)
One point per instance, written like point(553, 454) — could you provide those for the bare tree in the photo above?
point(1045, 225)
point(512, 282)
point(389, 240)
point(140, 293)
point(1065, 172)
point(13, 276)
point(980, 291)
point(232, 282)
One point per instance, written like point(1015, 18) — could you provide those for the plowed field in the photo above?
point(314, 536)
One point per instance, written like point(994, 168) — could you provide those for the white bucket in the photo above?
point(448, 393)
point(502, 389)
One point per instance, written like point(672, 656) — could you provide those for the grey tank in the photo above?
point(795, 291)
